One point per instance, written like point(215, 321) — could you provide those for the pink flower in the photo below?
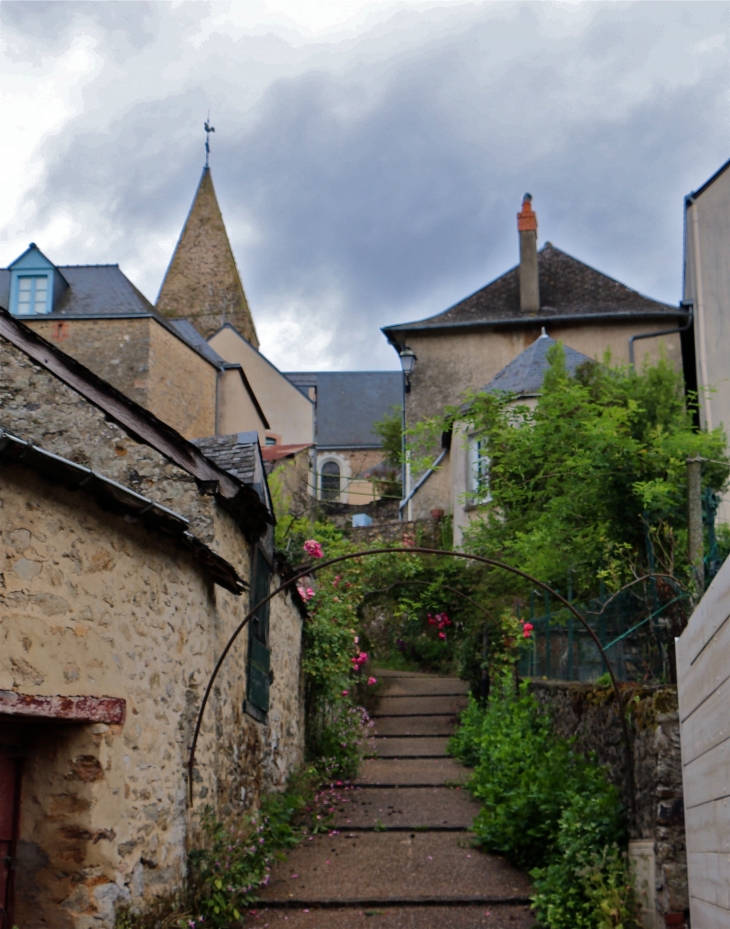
point(528, 627)
point(306, 593)
point(357, 639)
point(442, 635)
point(345, 693)
point(313, 548)
point(372, 680)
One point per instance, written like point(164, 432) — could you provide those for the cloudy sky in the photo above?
point(369, 155)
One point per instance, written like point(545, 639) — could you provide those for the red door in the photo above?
point(9, 795)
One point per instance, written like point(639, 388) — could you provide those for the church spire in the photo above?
point(202, 283)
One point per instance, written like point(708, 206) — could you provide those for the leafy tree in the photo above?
point(390, 430)
point(594, 475)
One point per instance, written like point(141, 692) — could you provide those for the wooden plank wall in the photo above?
point(703, 677)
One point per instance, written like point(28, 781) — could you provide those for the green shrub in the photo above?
point(233, 863)
point(546, 808)
point(587, 884)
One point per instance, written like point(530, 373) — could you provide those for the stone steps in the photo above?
point(399, 854)
point(405, 808)
point(464, 916)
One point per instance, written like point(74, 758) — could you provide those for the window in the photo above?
point(32, 295)
point(478, 462)
point(331, 481)
point(270, 440)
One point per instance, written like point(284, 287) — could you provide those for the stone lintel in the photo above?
point(111, 710)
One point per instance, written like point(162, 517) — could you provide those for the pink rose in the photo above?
point(442, 635)
point(372, 680)
point(313, 548)
point(306, 593)
point(345, 693)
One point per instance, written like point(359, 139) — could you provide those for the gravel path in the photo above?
point(400, 854)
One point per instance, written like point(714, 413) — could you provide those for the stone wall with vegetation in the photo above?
point(588, 714)
point(94, 604)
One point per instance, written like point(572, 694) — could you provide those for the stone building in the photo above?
point(348, 455)
point(464, 347)
point(95, 314)
point(128, 557)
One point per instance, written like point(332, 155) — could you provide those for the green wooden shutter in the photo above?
point(259, 653)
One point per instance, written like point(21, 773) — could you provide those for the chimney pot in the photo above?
point(529, 281)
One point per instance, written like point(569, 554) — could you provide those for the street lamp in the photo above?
point(407, 360)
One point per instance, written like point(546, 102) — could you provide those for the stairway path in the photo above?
point(400, 854)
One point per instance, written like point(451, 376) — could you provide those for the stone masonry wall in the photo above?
point(40, 408)
point(94, 604)
point(115, 349)
point(589, 714)
point(147, 363)
point(182, 387)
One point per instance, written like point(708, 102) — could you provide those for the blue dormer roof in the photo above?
point(36, 284)
point(524, 375)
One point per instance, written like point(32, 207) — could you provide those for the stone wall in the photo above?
point(147, 363)
point(116, 349)
point(426, 532)
point(589, 714)
point(182, 385)
point(96, 604)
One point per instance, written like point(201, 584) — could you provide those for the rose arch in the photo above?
point(416, 550)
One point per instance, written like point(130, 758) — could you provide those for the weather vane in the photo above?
point(208, 129)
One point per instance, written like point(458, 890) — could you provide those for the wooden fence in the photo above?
point(703, 678)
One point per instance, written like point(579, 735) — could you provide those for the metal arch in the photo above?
point(481, 559)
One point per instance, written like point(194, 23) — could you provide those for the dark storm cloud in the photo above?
point(386, 188)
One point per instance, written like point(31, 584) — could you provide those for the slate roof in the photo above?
point(187, 331)
point(234, 453)
point(94, 290)
point(568, 289)
point(525, 373)
point(349, 402)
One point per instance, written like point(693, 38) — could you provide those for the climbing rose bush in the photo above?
point(313, 548)
point(333, 665)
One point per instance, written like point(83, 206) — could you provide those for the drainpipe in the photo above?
point(699, 295)
point(685, 304)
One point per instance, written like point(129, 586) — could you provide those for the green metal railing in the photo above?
point(634, 631)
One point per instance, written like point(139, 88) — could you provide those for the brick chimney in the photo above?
point(529, 284)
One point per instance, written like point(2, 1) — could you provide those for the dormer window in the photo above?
point(33, 292)
point(35, 284)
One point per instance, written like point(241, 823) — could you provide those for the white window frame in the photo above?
point(32, 305)
point(478, 466)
